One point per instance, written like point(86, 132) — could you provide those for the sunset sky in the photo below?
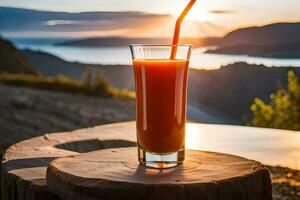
point(215, 17)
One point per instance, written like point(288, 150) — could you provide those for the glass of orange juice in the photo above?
point(161, 93)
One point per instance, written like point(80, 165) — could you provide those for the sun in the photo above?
point(197, 13)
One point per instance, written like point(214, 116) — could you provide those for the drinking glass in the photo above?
point(161, 93)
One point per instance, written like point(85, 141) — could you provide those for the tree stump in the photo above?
point(115, 174)
point(23, 170)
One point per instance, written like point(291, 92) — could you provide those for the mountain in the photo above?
point(233, 88)
point(280, 40)
point(118, 75)
point(226, 92)
point(12, 60)
point(277, 33)
point(122, 41)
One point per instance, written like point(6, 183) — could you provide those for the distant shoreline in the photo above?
point(286, 51)
point(126, 41)
point(121, 56)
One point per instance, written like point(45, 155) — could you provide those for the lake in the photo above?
point(121, 55)
point(269, 146)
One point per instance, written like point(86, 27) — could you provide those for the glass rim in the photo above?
point(160, 45)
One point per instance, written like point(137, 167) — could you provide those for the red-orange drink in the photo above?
point(161, 104)
point(161, 85)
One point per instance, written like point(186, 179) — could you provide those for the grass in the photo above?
point(98, 87)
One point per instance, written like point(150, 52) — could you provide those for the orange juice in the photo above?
point(161, 87)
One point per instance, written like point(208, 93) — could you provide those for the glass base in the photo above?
point(160, 161)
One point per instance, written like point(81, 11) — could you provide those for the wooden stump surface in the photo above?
point(23, 170)
point(116, 174)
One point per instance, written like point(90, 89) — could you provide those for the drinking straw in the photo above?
point(177, 28)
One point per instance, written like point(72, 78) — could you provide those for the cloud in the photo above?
point(60, 22)
point(20, 20)
point(16, 22)
point(222, 12)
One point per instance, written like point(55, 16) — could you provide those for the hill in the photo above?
point(232, 88)
point(280, 40)
point(27, 112)
point(227, 92)
point(277, 33)
point(287, 50)
point(12, 60)
point(118, 75)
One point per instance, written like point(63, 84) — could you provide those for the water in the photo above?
point(121, 55)
point(269, 146)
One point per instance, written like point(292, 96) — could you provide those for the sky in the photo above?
point(216, 16)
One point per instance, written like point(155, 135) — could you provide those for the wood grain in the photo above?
point(23, 170)
point(116, 174)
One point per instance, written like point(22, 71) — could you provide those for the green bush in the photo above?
point(283, 111)
point(101, 87)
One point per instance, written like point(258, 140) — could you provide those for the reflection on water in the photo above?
point(269, 146)
point(121, 55)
